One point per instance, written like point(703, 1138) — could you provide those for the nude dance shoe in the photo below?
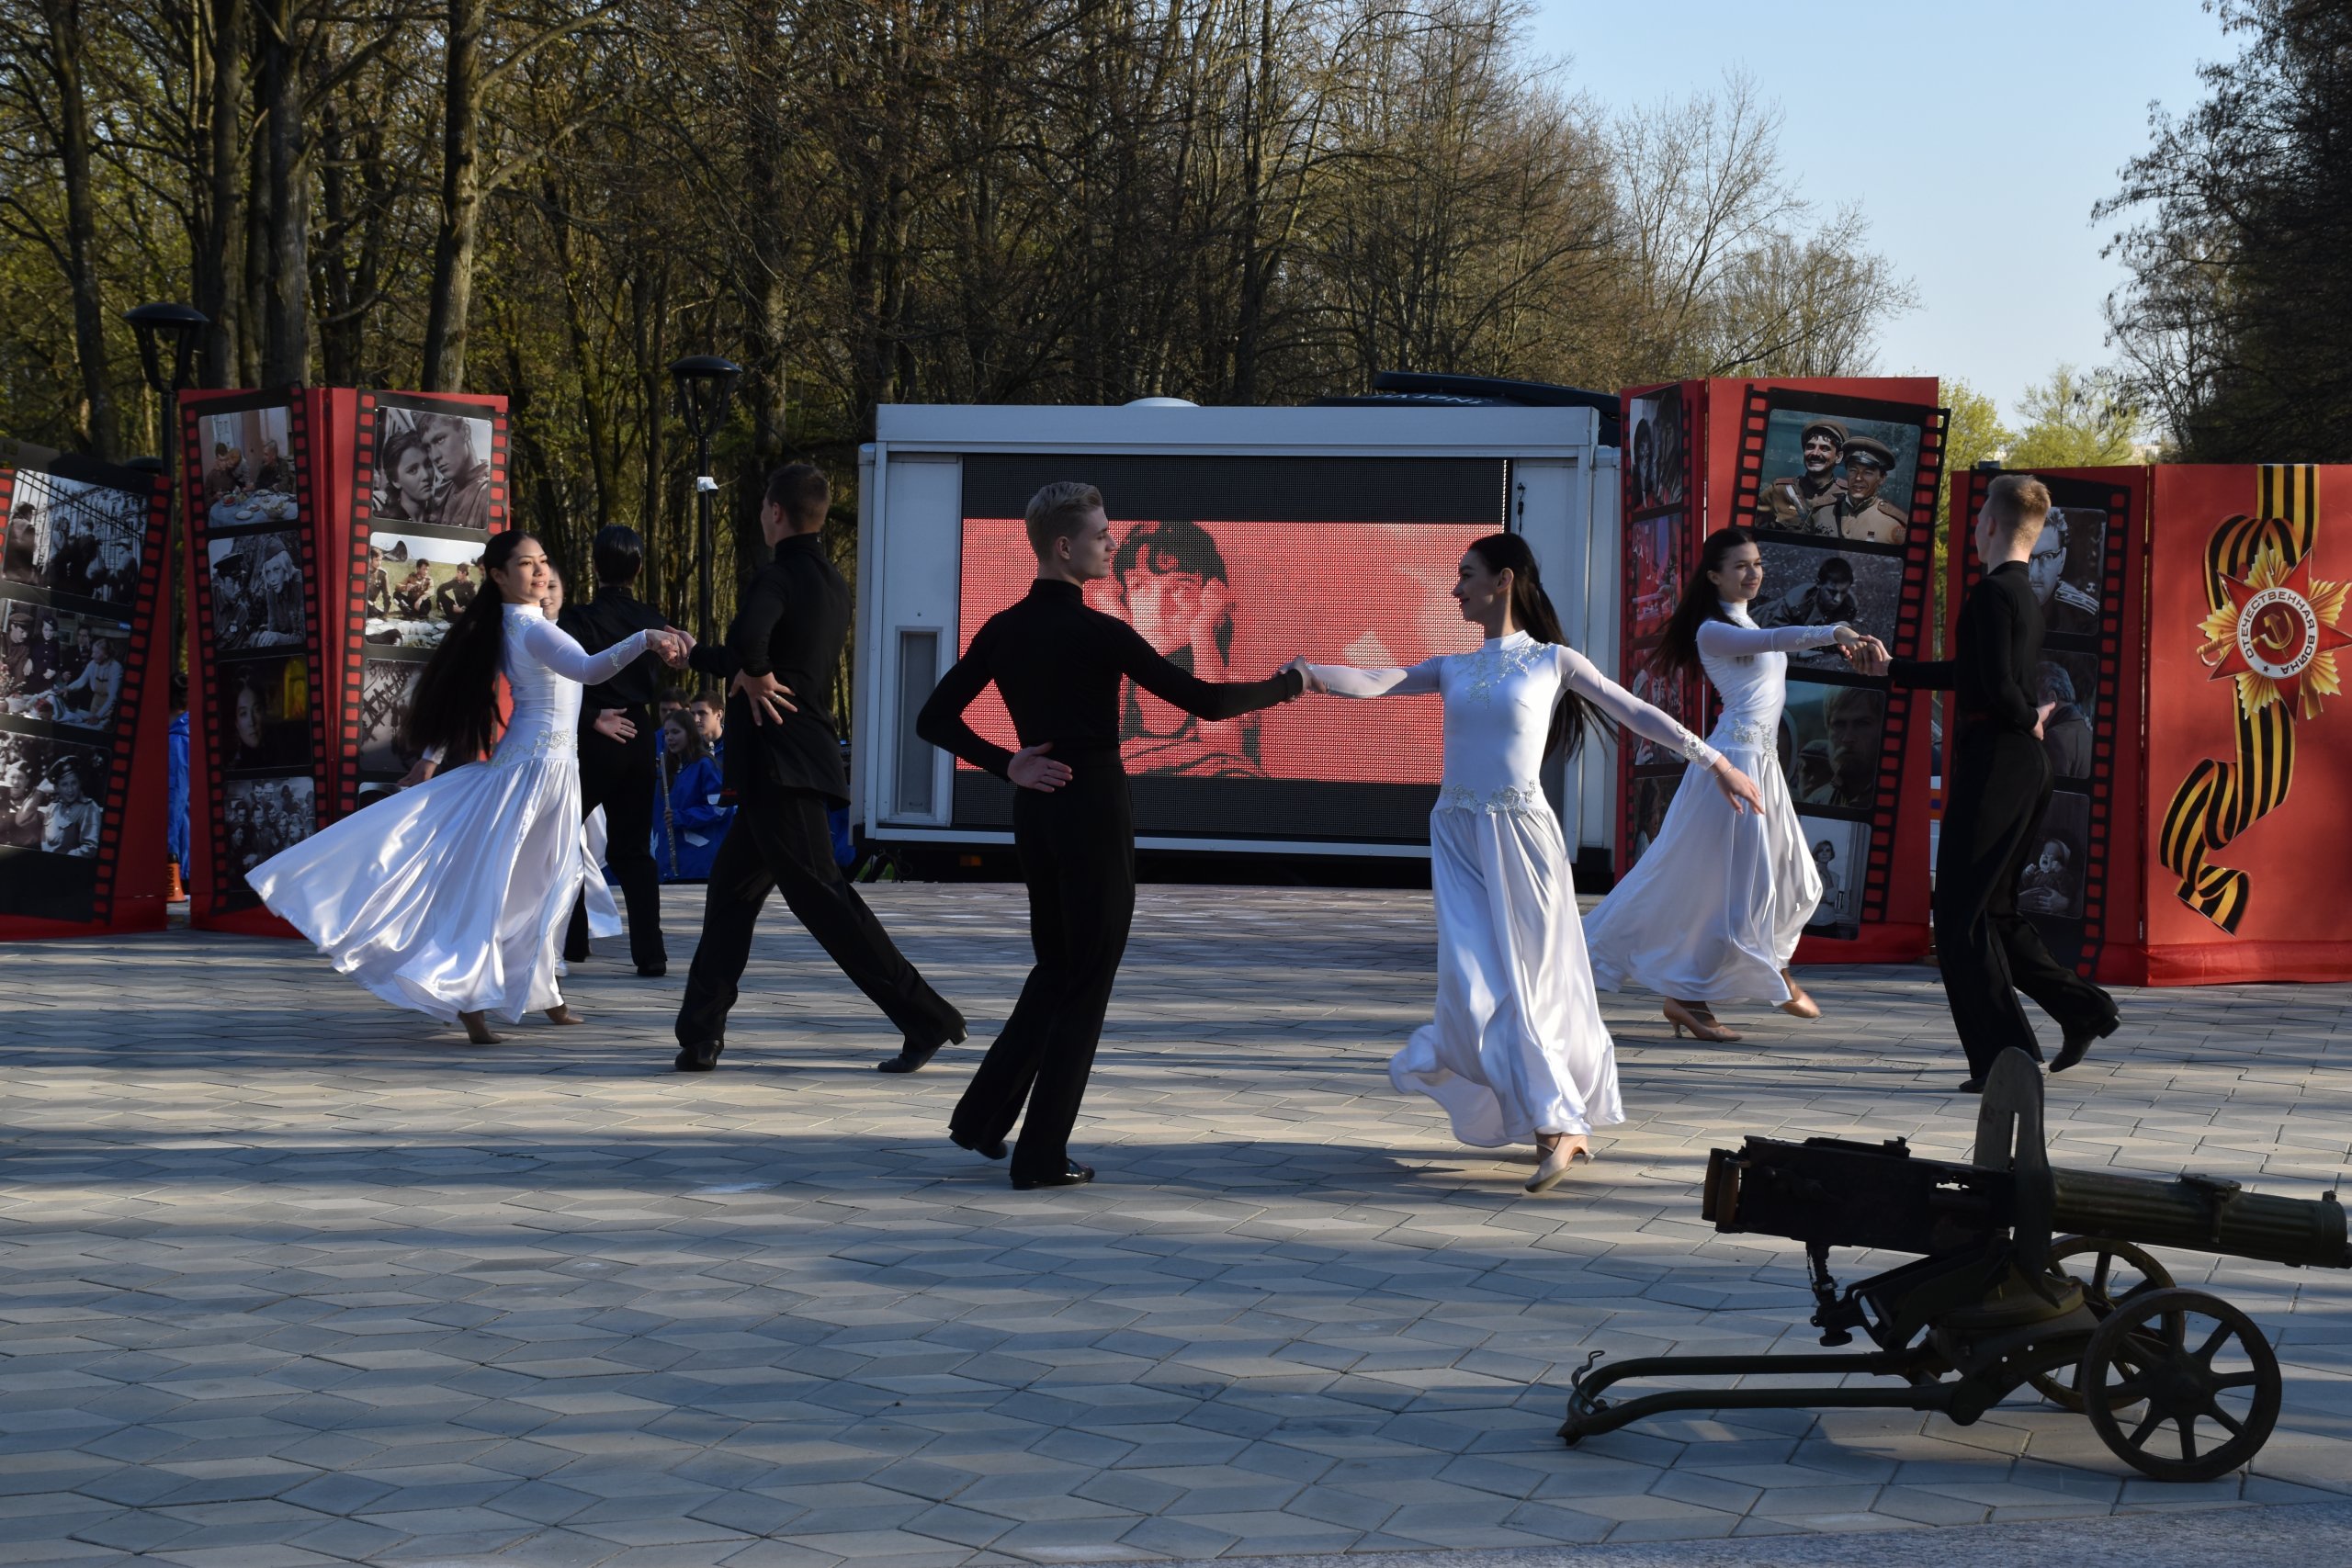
point(1800, 1004)
point(1557, 1164)
point(1698, 1020)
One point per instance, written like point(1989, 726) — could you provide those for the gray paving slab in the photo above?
point(288, 1277)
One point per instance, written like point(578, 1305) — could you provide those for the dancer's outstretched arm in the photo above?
point(561, 652)
point(1347, 680)
point(1141, 663)
point(1629, 712)
point(1723, 641)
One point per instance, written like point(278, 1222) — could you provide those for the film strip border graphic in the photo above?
point(1629, 590)
point(154, 573)
point(351, 726)
point(2118, 546)
point(227, 885)
point(1902, 704)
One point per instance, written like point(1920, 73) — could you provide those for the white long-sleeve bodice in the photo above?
point(547, 671)
point(1498, 703)
point(1749, 667)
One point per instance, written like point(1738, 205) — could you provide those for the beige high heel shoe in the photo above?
point(1800, 1004)
point(1698, 1020)
point(1558, 1160)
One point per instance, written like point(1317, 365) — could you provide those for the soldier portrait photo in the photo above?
point(2064, 569)
point(1838, 477)
point(1833, 741)
point(1805, 585)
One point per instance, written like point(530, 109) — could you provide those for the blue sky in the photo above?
point(1976, 138)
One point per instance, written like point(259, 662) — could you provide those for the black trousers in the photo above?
point(1077, 855)
point(781, 841)
point(1994, 799)
point(620, 776)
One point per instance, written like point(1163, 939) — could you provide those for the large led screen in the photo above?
point(1230, 569)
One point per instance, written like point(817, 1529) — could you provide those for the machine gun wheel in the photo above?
point(2218, 1379)
point(2120, 1272)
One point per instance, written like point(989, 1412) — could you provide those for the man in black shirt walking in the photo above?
point(1996, 788)
point(784, 767)
point(1057, 665)
point(618, 771)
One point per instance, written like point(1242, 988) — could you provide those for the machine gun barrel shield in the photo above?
point(2178, 1385)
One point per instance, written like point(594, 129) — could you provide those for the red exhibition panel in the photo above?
point(85, 682)
point(2249, 735)
point(333, 534)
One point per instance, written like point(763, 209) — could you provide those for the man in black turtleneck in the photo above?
point(1057, 665)
point(784, 766)
point(1996, 788)
point(617, 770)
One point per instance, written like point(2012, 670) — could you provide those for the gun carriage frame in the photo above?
point(2177, 1383)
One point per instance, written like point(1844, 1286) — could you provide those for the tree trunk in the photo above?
point(285, 322)
point(65, 64)
point(219, 282)
point(455, 235)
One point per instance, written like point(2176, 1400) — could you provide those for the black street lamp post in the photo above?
point(179, 325)
point(705, 383)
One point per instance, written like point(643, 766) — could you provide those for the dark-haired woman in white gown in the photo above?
point(1515, 1049)
point(1713, 911)
point(450, 898)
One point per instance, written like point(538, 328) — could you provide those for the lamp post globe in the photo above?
point(157, 324)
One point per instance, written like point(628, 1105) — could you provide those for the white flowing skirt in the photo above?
point(448, 897)
point(1516, 1046)
point(1713, 911)
point(604, 913)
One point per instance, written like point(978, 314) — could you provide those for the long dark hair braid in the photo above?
point(455, 702)
point(1701, 602)
point(1531, 612)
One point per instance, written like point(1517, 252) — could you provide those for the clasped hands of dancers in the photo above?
point(452, 898)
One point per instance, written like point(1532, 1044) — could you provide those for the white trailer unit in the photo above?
point(1247, 535)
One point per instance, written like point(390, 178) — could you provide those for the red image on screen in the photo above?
point(1236, 602)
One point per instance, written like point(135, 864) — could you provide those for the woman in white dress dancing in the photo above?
point(1713, 911)
point(451, 896)
point(1515, 1051)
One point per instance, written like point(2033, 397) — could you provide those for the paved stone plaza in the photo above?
point(288, 1277)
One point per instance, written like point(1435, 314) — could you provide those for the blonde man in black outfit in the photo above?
point(1057, 665)
point(1997, 791)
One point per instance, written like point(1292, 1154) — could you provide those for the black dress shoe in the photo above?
point(911, 1057)
point(1073, 1175)
point(699, 1055)
point(2074, 1047)
point(1972, 1086)
point(653, 971)
point(985, 1151)
point(580, 957)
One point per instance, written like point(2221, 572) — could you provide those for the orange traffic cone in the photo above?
point(173, 892)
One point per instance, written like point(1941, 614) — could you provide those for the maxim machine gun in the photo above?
point(2179, 1384)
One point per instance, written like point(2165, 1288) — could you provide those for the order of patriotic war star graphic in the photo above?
point(1859, 511)
point(1790, 501)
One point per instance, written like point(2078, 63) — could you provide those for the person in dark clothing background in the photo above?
point(784, 767)
point(1059, 667)
point(1995, 794)
point(618, 770)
